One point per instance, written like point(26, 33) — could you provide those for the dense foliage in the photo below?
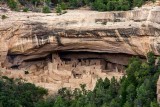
point(46, 9)
point(136, 89)
point(100, 5)
point(16, 93)
point(25, 5)
point(110, 5)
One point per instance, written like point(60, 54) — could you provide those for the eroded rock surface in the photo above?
point(86, 45)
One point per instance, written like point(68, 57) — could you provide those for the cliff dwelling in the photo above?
point(63, 69)
point(72, 53)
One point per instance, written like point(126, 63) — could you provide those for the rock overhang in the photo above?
point(133, 32)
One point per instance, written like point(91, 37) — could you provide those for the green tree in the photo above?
point(106, 83)
point(128, 104)
point(131, 94)
point(12, 4)
point(134, 66)
point(58, 9)
point(125, 5)
point(137, 3)
point(145, 93)
point(114, 103)
point(46, 9)
point(59, 102)
point(154, 104)
point(16, 93)
point(151, 62)
point(98, 5)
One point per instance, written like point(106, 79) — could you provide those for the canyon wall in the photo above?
point(77, 47)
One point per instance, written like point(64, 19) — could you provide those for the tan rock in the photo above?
point(77, 47)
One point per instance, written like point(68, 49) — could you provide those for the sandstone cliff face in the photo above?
point(28, 41)
point(30, 34)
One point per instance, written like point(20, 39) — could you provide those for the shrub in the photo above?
point(48, 2)
point(12, 4)
point(25, 10)
point(98, 5)
point(46, 9)
point(86, 2)
point(73, 3)
point(4, 17)
point(64, 6)
point(35, 1)
point(26, 72)
point(124, 5)
point(138, 3)
point(58, 9)
point(110, 6)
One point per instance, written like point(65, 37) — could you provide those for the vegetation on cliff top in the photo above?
point(100, 5)
point(136, 89)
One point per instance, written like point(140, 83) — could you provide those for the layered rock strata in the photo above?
point(77, 47)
